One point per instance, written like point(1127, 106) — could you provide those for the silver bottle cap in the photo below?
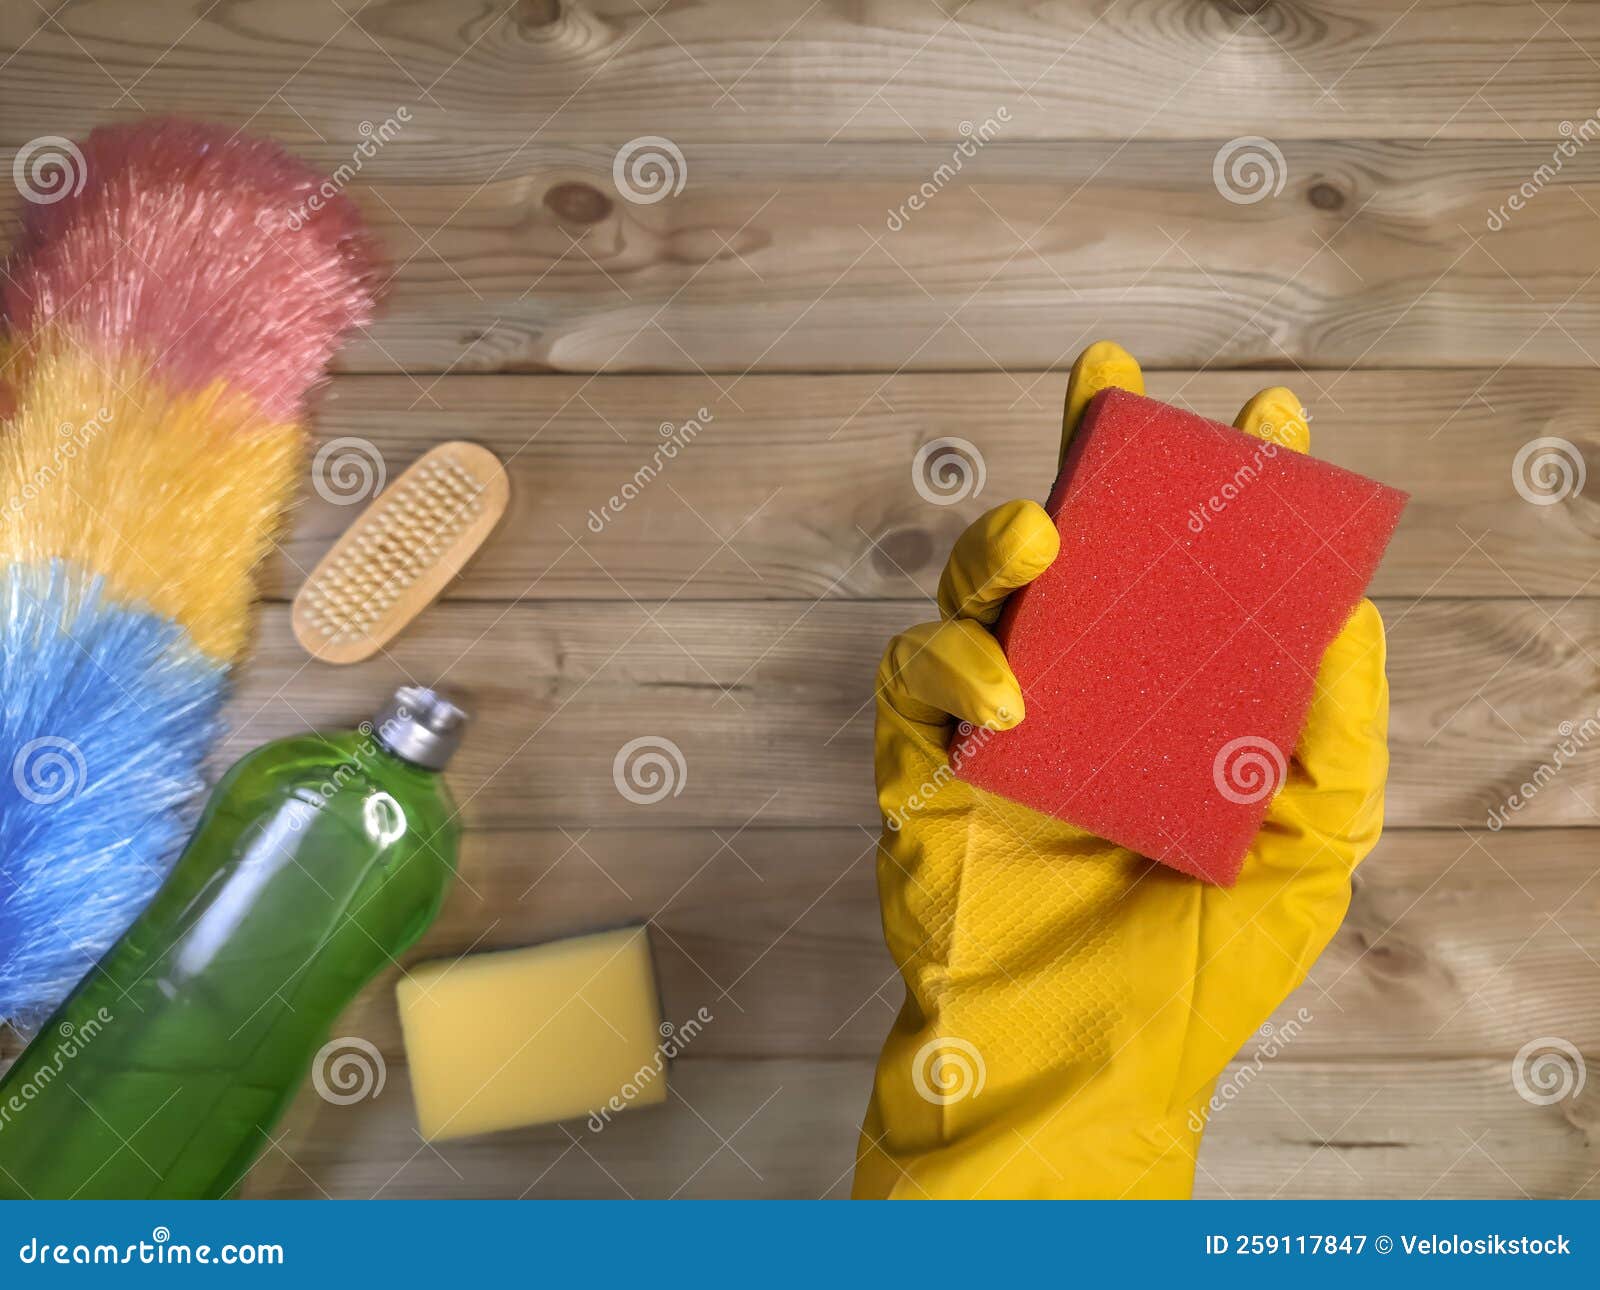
point(421, 726)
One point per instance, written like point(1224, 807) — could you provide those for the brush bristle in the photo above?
point(404, 533)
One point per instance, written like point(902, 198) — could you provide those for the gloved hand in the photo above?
point(1070, 1005)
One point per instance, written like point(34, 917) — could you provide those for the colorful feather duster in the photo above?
point(168, 314)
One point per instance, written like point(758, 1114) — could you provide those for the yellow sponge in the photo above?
point(520, 1037)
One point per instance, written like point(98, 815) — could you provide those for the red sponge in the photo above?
point(1168, 657)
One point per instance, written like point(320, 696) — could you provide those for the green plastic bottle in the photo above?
point(317, 860)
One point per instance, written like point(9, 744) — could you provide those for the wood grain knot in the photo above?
point(538, 13)
point(561, 29)
point(1273, 26)
point(1325, 197)
point(902, 551)
point(578, 203)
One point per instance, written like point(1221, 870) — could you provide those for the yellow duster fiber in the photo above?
point(171, 498)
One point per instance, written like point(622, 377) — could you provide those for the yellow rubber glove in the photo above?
point(1070, 1005)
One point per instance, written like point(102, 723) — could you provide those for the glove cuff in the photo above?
point(1043, 1157)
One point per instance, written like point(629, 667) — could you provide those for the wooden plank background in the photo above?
point(823, 331)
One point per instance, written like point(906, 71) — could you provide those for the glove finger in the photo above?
point(1334, 792)
point(1274, 414)
point(1005, 549)
point(1294, 889)
point(1329, 813)
point(1105, 363)
point(953, 668)
point(1336, 786)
